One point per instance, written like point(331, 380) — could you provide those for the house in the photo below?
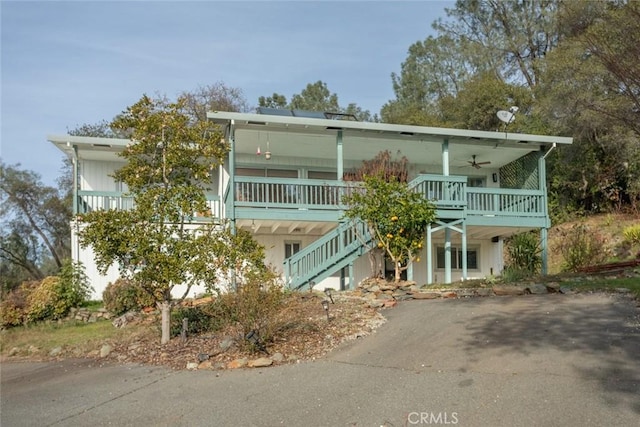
point(284, 177)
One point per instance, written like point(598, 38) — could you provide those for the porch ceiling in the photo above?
point(291, 137)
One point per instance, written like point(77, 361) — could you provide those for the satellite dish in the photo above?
point(506, 116)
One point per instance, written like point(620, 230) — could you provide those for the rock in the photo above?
point(404, 297)
point(205, 365)
point(203, 357)
point(553, 287)
point(565, 290)
point(33, 349)
point(226, 343)
point(465, 293)
point(105, 350)
point(237, 363)
point(508, 290)
point(376, 303)
point(537, 289)
point(260, 362)
point(277, 357)
point(219, 365)
point(55, 351)
point(374, 288)
point(192, 366)
point(384, 297)
point(14, 351)
point(623, 290)
point(425, 295)
point(390, 303)
point(449, 294)
point(414, 288)
point(293, 358)
point(483, 292)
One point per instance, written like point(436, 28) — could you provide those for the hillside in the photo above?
point(608, 227)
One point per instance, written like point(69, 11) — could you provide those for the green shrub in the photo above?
point(581, 246)
point(200, 319)
point(524, 254)
point(56, 295)
point(632, 235)
point(123, 295)
point(13, 308)
point(254, 306)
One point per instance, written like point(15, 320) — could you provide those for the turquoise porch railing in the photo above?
point(503, 202)
point(89, 201)
point(328, 254)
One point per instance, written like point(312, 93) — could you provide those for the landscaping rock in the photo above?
point(260, 362)
point(508, 290)
point(237, 363)
point(204, 365)
point(390, 303)
point(277, 357)
point(55, 351)
point(449, 294)
point(425, 295)
point(565, 290)
point(105, 350)
point(376, 303)
point(192, 366)
point(14, 351)
point(483, 292)
point(553, 287)
point(537, 289)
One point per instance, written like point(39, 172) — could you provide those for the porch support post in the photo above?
point(231, 207)
point(351, 277)
point(445, 157)
point(447, 255)
point(542, 183)
point(429, 257)
point(76, 181)
point(339, 156)
point(464, 250)
point(410, 271)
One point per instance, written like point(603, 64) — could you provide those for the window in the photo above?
point(291, 248)
point(456, 258)
point(476, 182)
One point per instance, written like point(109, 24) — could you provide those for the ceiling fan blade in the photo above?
point(476, 165)
point(483, 163)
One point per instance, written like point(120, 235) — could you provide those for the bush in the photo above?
point(254, 306)
point(524, 255)
point(56, 295)
point(14, 305)
point(581, 246)
point(201, 319)
point(632, 235)
point(123, 295)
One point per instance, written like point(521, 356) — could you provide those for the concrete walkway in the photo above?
point(551, 360)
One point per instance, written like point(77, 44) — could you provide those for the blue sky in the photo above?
point(69, 63)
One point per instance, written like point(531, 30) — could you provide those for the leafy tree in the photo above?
point(315, 97)
point(168, 169)
point(274, 101)
point(214, 97)
point(590, 90)
point(397, 217)
point(99, 130)
point(35, 223)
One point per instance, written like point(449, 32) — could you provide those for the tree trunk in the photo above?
point(165, 309)
point(398, 271)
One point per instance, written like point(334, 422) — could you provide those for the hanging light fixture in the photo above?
point(267, 154)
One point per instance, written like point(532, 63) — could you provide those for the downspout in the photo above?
point(76, 182)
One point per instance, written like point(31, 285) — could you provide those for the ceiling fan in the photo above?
point(475, 164)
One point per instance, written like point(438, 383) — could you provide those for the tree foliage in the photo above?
point(315, 97)
point(35, 224)
point(397, 217)
point(168, 170)
point(571, 68)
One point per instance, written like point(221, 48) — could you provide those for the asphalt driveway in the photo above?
point(550, 360)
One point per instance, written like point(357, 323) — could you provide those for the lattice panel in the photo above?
point(521, 174)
